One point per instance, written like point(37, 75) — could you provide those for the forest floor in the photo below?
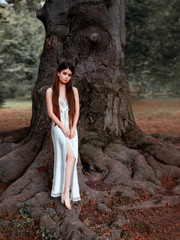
point(153, 116)
point(158, 116)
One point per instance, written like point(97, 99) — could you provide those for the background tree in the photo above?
point(31, 4)
point(21, 43)
point(92, 36)
point(152, 56)
point(2, 94)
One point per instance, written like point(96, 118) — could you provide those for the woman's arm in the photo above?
point(76, 116)
point(52, 115)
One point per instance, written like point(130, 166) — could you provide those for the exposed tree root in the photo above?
point(14, 136)
point(128, 178)
point(11, 140)
point(35, 178)
point(14, 164)
point(160, 150)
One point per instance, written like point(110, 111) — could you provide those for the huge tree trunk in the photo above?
point(91, 35)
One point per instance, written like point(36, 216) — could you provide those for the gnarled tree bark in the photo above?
point(91, 35)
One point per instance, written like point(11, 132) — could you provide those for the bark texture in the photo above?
point(116, 153)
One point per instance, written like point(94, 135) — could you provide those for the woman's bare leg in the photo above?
point(70, 160)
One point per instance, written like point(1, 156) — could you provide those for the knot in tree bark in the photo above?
point(94, 37)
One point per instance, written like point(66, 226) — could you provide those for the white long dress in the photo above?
point(60, 148)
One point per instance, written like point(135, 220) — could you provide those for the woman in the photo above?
point(63, 108)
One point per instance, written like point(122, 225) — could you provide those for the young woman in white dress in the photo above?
point(63, 108)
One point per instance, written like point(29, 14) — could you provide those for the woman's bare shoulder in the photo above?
point(75, 90)
point(49, 89)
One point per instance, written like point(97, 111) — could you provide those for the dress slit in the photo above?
point(71, 149)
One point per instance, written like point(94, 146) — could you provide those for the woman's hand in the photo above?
point(66, 131)
point(72, 132)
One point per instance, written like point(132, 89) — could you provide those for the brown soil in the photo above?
point(158, 116)
point(15, 115)
point(153, 224)
point(97, 220)
point(168, 182)
point(99, 185)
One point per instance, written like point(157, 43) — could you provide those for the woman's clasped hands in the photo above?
point(68, 133)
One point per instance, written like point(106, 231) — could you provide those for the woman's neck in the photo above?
point(62, 90)
point(62, 86)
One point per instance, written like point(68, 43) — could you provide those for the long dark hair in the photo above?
point(69, 93)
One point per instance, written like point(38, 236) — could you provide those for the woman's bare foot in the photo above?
point(67, 201)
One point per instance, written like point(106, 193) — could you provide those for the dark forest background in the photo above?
point(151, 54)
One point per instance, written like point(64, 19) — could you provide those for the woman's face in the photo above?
point(65, 75)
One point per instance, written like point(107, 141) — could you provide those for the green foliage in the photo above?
point(45, 234)
point(18, 5)
point(50, 210)
point(21, 39)
point(24, 209)
point(23, 223)
point(152, 46)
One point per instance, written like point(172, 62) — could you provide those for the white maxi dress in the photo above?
point(60, 148)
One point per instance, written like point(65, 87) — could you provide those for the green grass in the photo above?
point(17, 104)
